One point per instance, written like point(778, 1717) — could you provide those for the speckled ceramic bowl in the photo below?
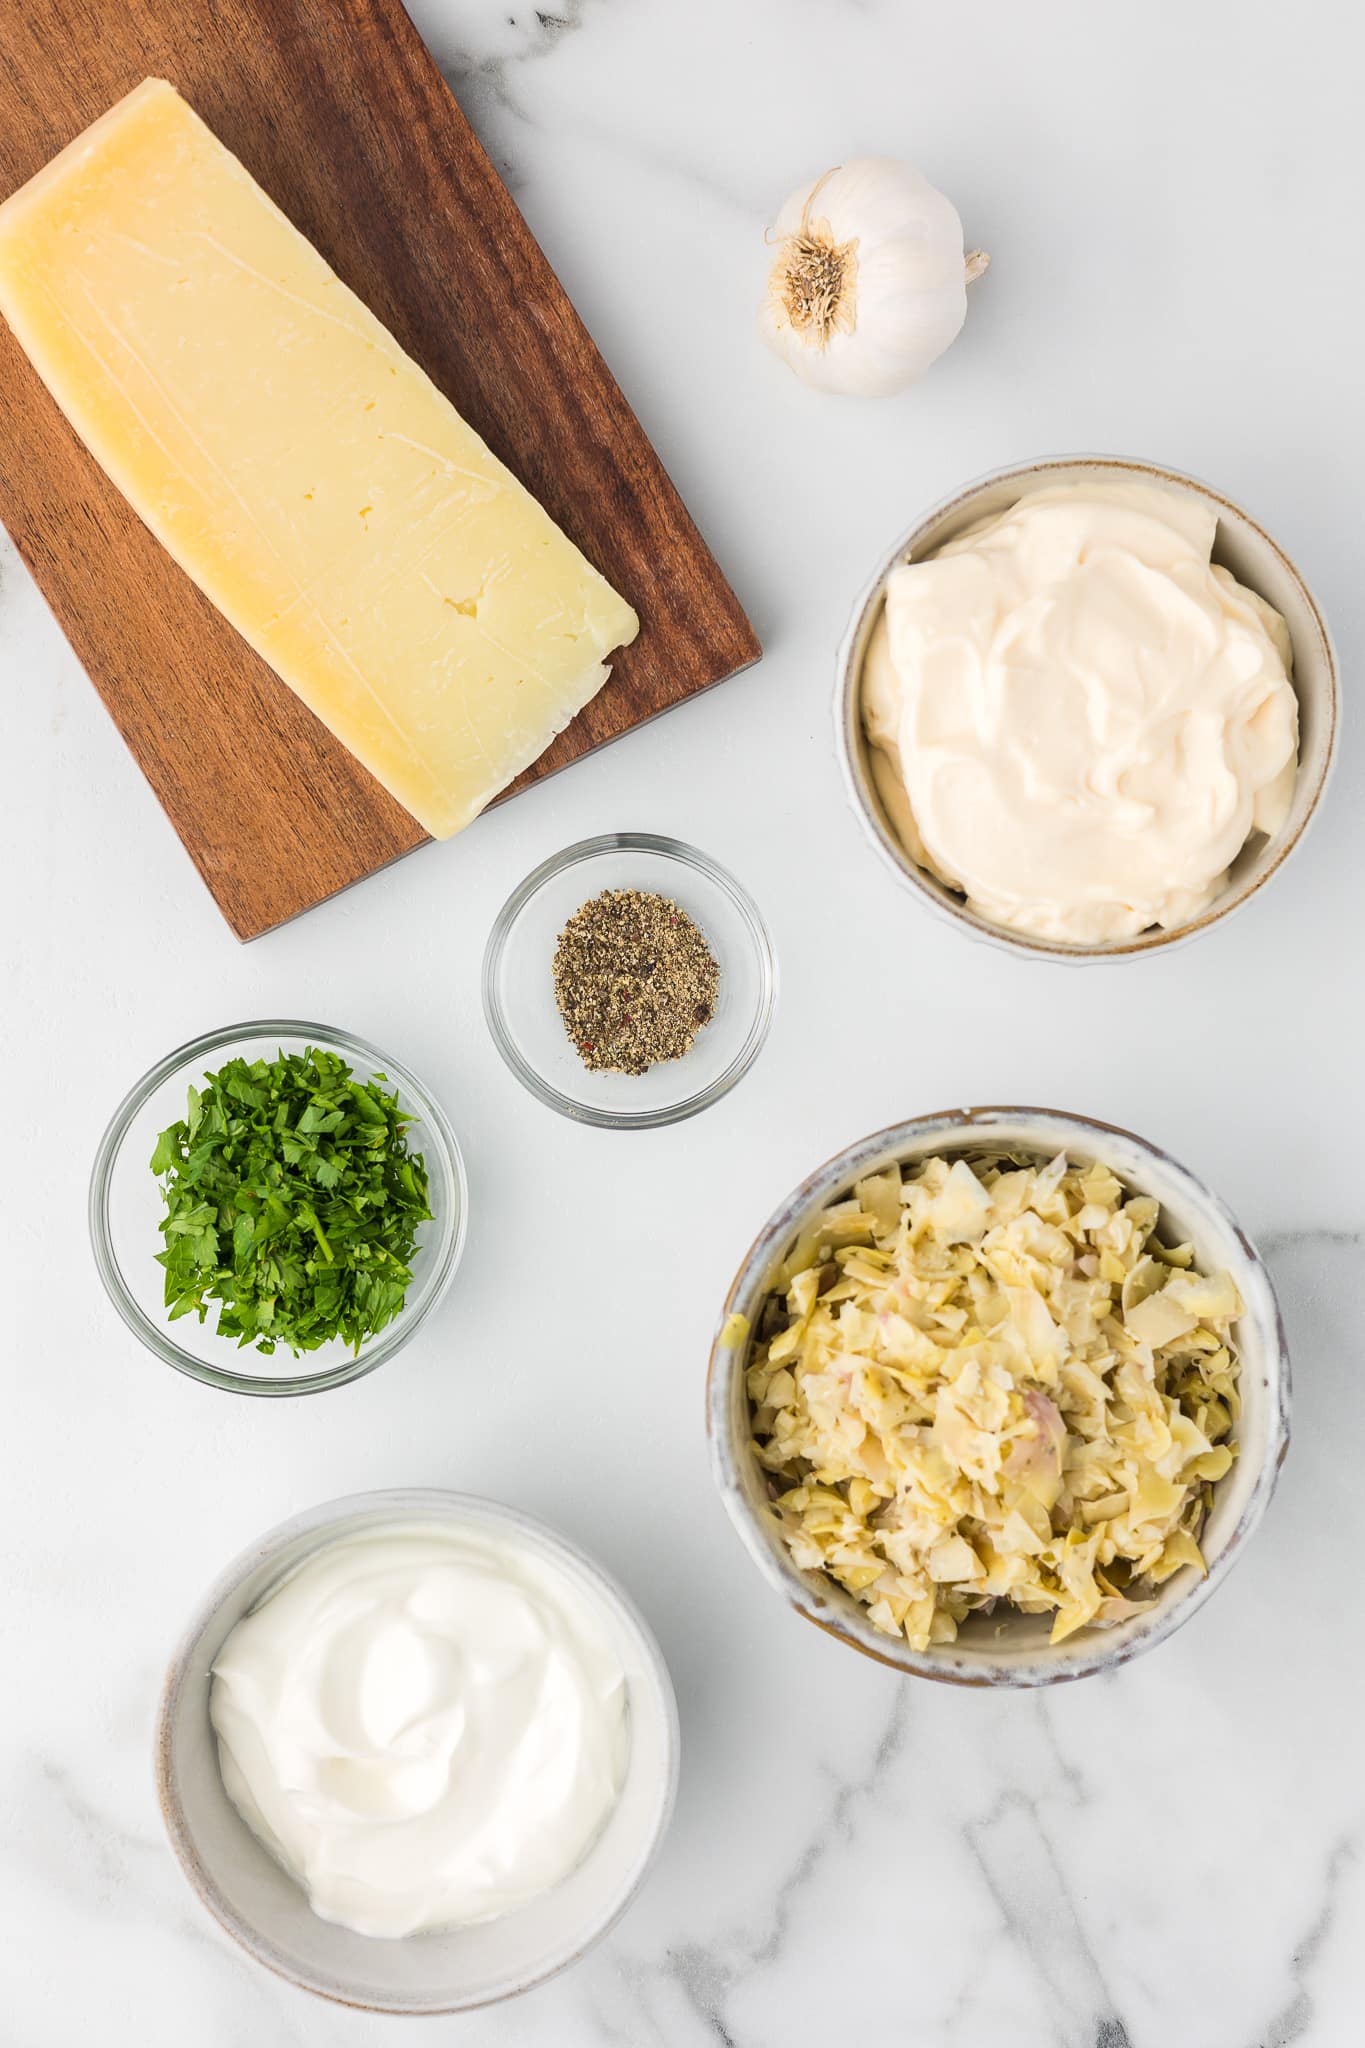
point(261, 1907)
point(1008, 1649)
point(1243, 547)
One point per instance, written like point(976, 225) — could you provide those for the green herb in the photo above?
point(292, 1200)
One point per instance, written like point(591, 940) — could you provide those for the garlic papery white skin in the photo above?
point(868, 285)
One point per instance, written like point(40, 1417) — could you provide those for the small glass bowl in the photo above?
point(519, 997)
point(126, 1207)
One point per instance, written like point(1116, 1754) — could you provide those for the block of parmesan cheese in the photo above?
point(303, 470)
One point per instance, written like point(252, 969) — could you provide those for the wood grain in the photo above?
point(338, 110)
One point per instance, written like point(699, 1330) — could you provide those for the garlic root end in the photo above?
point(976, 264)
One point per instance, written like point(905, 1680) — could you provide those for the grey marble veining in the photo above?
point(483, 56)
point(1167, 1858)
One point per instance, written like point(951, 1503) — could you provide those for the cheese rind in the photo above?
point(298, 464)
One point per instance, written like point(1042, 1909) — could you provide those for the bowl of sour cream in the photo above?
point(1086, 708)
point(416, 1752)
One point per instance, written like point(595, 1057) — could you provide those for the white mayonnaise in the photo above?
point(1081, 720)
point(425, 1725)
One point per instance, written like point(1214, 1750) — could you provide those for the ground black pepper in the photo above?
point(635, 981)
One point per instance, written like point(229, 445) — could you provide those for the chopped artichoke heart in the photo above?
point(980, 1382)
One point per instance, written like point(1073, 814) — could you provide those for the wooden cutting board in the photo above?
point(337, 109)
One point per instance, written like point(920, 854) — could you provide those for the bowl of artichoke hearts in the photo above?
point(998, 1396)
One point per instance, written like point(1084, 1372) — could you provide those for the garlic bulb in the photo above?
point(869, 284)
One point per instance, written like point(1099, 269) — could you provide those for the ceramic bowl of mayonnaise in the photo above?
point(416, 1752)
point(1086, 708)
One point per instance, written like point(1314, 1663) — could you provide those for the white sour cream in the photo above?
point(1080, 718)
point(425, 1725)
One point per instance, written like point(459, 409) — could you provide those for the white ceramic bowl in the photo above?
point(261, 1907)
point(1013, 1651)
point(1241, 546)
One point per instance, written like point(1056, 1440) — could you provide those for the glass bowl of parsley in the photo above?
point(277, 1208)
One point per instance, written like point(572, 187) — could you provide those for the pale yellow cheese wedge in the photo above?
point(302, 469)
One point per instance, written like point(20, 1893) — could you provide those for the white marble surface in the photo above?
point(1168, 1859)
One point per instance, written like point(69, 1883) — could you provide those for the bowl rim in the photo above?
point(878, 831)
point(765, 953)
point(448, 1250)
point(322, 1521)
point(961, 1129)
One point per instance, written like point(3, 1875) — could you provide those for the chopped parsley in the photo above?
point(292, 1200)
